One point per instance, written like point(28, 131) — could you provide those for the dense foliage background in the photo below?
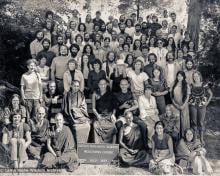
point(17, 26)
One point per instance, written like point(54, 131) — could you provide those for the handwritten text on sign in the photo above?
point(98, 153)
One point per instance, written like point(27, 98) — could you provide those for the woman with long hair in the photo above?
point(137, 48)
point(137, 77)
point(95, 75)
point(89, 24)
point(191, 155)
point(200, 97)
point(118, 74)
point(159, 89)
point(171, 45)
point(162, 150)
point(180, 92)
point(129, 61)
point(88, 50)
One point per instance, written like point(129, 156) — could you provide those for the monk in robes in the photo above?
point(132, 151)
point(61, 146)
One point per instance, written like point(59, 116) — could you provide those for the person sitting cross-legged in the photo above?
point(191, 154)
point(75, 112)
point(61, 148)
point(132, 149)
point(39, 127)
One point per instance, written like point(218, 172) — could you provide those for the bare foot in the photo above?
point(21, 164)
point(15, 164)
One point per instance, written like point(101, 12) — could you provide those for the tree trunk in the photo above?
point(194, 17)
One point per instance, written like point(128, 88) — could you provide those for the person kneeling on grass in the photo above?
point(17, 137)
point(61, 148)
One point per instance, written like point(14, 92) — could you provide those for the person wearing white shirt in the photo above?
point(161, 53)
point(148, 111)
point(138, 78)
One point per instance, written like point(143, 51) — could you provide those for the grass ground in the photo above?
point(212, 138)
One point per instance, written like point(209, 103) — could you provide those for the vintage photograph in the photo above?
point(109, 87)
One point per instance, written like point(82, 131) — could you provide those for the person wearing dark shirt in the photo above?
point(39, 127)
point(61, 147)
point(95, 75)
point(49, 55)
point(103, 108)
point(124, 100)
point(122, 33)
point(97, 20)
point(155, 25)
point(118, 74)
point(52, 101)
point(152, 58)
point(88, 50)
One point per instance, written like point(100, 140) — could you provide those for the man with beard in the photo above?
point(58, 67)
point(152, 58)
point(137, 34)
point(122, 29)
point(75, 54)
point(56, 48)
point(52, 101)
point(114, 42)
point(36, 46)
point(87, 39)
point(144, 27)
point(189, 69)
point(49, 55)
point(108, 32)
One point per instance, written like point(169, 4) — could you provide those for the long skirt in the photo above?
point(150, 123)
point(81, 132)
point(141, 158)
point(184, 120)
point(164, 165)
point(104, 130)
point(67, 159)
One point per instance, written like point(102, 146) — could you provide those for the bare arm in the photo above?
point(49, 147)
point(22, 93)
point(94, 106)
point(53, 70)
point(210, 96)
point(187, 98)
point(28, 137)
point(5, 139)
point(121, 143)
point(134, 107)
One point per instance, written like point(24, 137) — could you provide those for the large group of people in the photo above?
point(126, 81)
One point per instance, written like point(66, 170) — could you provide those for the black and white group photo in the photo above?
point(110, 87)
